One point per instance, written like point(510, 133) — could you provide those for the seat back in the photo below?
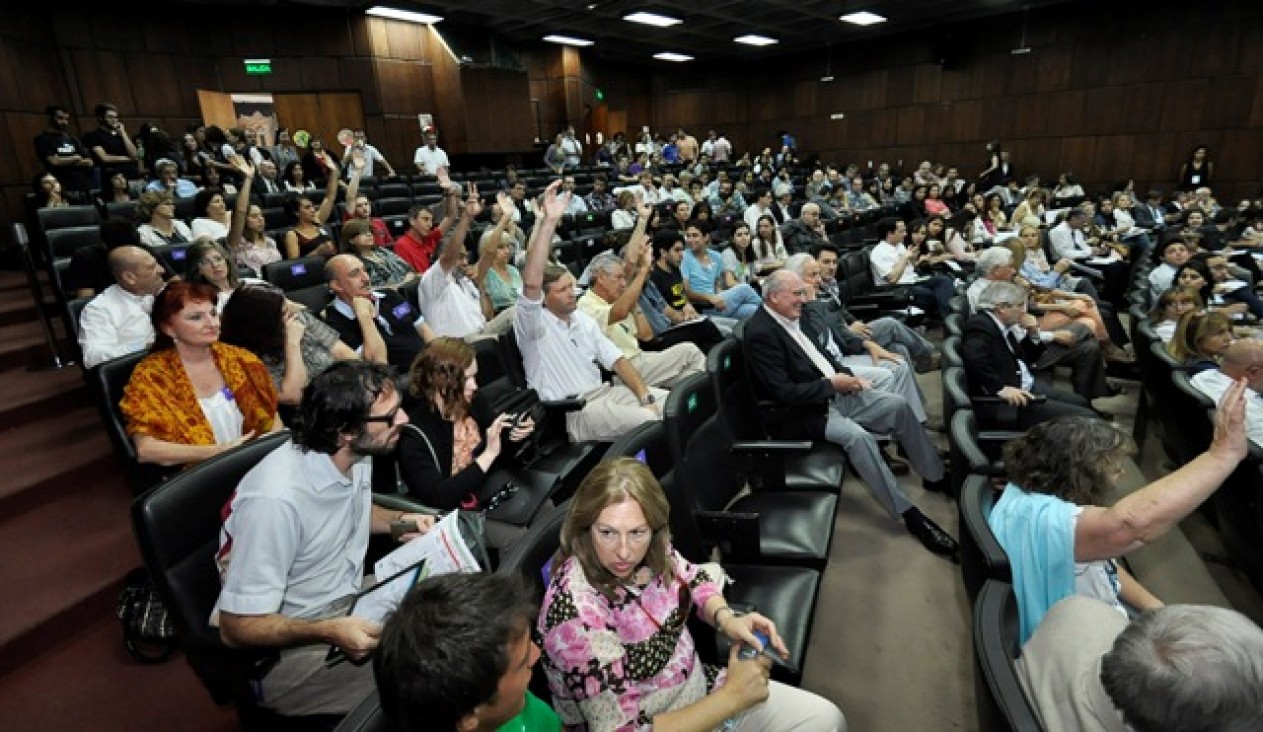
point(856, 272)
point(649, 444)
point(177, 527)
point(107, 382)
point(367, 716)
point(63, 242)
point(296, 274)
point(700, 443)
point(1160, 388)
point(63, 217)
point(951, 352)
point(738, 406)
point(1193, 411)
point(981, 556)
point(1002, 704)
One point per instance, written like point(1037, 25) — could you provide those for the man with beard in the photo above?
point(295, 537)
point(64, 156)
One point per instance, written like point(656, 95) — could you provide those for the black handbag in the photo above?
point(148, 632)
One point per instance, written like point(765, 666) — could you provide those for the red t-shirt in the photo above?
point(418, 251)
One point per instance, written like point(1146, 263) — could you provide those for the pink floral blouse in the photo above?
point(614, 665)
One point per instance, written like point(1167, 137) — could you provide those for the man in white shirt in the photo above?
point(893, 263)
point(1069, 242)
point(1242, 360)
point(295, 538)
point(561, 346)
point(576, 205)
point(762, 206)
point(721, 151)
point(1174, 254)
point(117, 321)
point(430, 157)
point(612, 301)
point(451, 302)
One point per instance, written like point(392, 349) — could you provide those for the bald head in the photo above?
point(1242, 359)
point(136, 270)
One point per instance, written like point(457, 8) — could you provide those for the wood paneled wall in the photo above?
point(1106, 92)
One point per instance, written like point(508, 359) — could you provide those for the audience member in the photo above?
point(292, 343)
point(112, 148)
point(308, 236)
point(429, 158)
point(160, 228)
point(211, 214)
point(385, 268)
point(64, 156)
point(1061, 542)
point(612, 301)
point(1068, 241)
point(456, 656)
point(360, 154)
point(453, 440)
point(117, 321)
point(825, 401)
point(193, 397)
point(702, 270)
point(90, 272)
point(248, 241)
point(561, 347)
point(1200, 339)
point(893, 263)
point(361, 207)
point(1242, 361)
point(294, 540)
point(418, 244)
point(1170, 307)
point(1000, 345)
point(608, 668)
point(449, 295)
point(382, 326)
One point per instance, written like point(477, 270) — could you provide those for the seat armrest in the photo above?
point(999, 435)
point(569, 404)
point(765, 446)
point(736, 534)
point(400, 502)
point(1034, 399)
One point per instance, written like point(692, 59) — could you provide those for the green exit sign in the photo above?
point(258, 66)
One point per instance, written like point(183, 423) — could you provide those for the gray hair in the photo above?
point(776, 282)
point(1000, 293)
point(813, 206)
point(992, 258)
point(1187, 667)
point(797, 262)
point(606, 262)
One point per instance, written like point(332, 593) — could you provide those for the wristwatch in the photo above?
point(647, 399)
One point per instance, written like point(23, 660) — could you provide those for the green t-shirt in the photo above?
point(536, 716)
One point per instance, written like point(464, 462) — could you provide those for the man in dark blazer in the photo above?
point(828, 402)
point(996, 358)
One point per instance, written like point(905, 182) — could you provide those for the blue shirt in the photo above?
point(700, 277)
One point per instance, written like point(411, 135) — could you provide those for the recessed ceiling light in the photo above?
point(659, 21)
point(863, 17)
point(672, 56)
point(751, 39)
point(568, 41)
point(408, 15)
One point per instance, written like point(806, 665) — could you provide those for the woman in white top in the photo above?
point(739, 261)
point(768, 245)
point(624, 217)
point(248, 241)
point(213, 218)
point(161, 227)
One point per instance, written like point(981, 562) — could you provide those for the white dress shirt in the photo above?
point(1213, 383)
point(433, 158)
point(882, 259)
point(450, 303)
point(114, 324)
point(561, 357)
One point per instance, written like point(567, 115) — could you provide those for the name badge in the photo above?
point(401, 311)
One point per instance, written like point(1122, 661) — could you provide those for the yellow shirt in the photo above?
point(622, 333)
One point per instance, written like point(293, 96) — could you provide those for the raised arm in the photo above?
point(331, 188)
point(1143, 516)
point(451, 197)
point(238, 225)
point(454, 244)
point(540, 245)
point(637, 264)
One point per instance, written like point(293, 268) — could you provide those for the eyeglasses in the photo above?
point(611, 538)
point(387, 419)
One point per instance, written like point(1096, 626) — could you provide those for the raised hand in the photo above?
point(553, 205)
point(473, 204)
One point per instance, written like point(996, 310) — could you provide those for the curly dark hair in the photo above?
point(336, 402)
point(438, 372)
point(1073, 458)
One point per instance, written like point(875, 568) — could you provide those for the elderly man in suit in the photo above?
point(997, 345)
point(829, 402)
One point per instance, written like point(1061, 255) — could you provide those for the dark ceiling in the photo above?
point(709, 25)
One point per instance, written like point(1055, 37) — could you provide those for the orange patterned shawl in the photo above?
point(159, 399)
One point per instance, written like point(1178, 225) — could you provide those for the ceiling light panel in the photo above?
point(406, 15)
point(672, 56)
point(753, 39)
point(658, 21)
point(863, 17)
point(568, 41)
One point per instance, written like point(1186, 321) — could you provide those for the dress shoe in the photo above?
point(942, 485)
point(932, 363)
point(1118, 355)
point(897, 467)
point(930, 535)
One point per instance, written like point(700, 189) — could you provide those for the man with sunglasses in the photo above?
point(294, 540)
